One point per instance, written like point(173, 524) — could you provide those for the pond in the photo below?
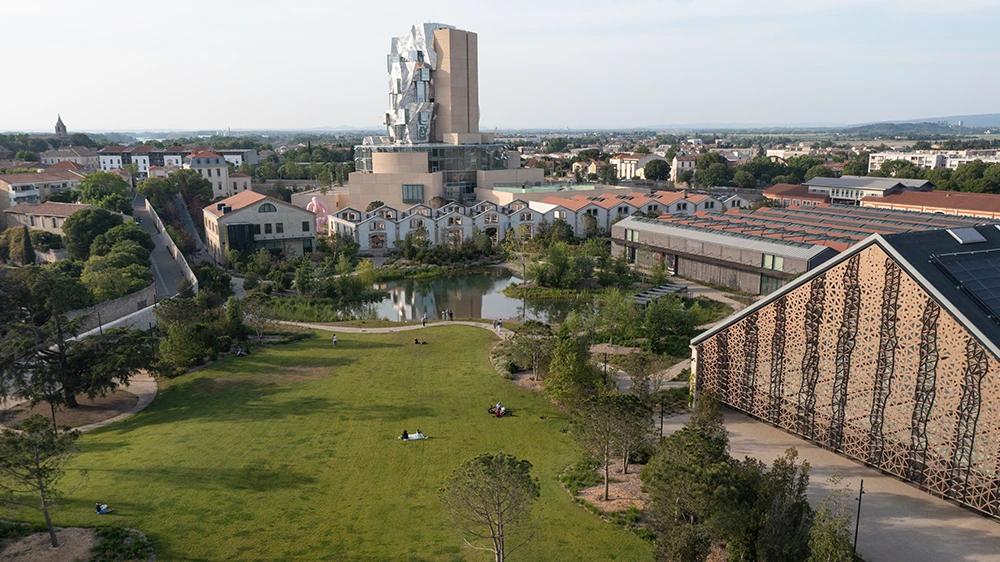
point(468, 295)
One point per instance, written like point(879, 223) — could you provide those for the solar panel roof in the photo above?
point(978, 273)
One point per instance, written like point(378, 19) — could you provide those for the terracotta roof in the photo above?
point(788, 190)
point(960, 201)
point(236, 202)
point(571, 204)
point(238, 176)
point(113, 149)
point(41, 177)
point(70, 151)
point(204, 154)
point(688, 157)
point(142, 149)
point(49, 209)
point(66, 165)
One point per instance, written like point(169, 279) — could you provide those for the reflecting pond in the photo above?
point(468, 295)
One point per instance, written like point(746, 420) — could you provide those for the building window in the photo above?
point(32, 219)
point(777, 263)
point(527, 216)
point(279, 228)
point(305, 226)
point(560, 214)
point(54, 225)
point(307, 246)
point(710, 204)
point(378, 225)
point(416, 223)
point(256, 229)
point(267, 228)
point(267, 208)
point(682, 206)
point(413, 193)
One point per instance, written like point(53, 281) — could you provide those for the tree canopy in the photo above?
point(657, 170)
point(83, 227)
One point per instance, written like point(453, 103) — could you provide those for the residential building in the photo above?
point(736, 202)
point(628, 166)
point(732, 248)
point(81, 155)
point(981, 205)
point(794, 195)
point(146, 156)
point(249, 221)
point(215, 169)
point(921, 160)
point(683, 163)
point(433, 146)
point(48, 216)
point(33, 187)
point(888, 354)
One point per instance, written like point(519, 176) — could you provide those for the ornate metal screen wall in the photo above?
point(862, 360)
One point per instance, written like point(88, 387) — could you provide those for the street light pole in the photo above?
point(857, 520)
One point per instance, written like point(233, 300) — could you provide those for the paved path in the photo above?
point(143, 386)
point(696, 290)
point(505, 333)
point(898, 521)
point(166, 271)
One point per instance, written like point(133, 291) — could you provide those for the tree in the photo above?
point(570, 374)
point(830, 535)
point(21, 250)
point(744, 179)
point(598, 432)
point(95, 188)
point(104, 243)
point(82, 227)
point(64, 196)
point(531, 346)
point(715, 174)
point(157, 190)
point(304, 278)
point(26, 156)
point(80, 139)
point(607, 175)
point(373, 205)
point(489, 498)
point(897, 169)
point(685, 177)
point(635, 426)
point(257, 307)
point(657, 170)
point(818, 171)
point(681, 480)
point(857, 166)
point(32, 462)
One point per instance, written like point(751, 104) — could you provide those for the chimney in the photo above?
point(219, 206)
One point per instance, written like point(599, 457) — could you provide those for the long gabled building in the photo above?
point(888, 353)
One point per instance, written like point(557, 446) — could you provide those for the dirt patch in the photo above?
point(524, 380)
point(90, 411)
point(614, 349)
point(75, 545)
point(625, 491)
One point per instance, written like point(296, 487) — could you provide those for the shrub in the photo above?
point(119, 545)
point(582, 474)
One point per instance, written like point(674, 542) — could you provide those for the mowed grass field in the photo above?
point(291, 454)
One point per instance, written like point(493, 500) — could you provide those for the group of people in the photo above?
point(410, 436)
point(497, 325)
point(447, 314)
point(498, 411)
point(240, 352)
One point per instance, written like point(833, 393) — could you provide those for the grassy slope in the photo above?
point(291, 454)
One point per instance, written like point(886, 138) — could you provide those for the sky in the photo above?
point(302, 64)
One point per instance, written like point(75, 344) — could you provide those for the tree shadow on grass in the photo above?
point(386, 412)
point(224, 400)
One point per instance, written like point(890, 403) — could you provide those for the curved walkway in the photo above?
point(144, 387)
point(504, 332)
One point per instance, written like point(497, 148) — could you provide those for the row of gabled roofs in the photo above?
point(636, 199)
point(836, 226)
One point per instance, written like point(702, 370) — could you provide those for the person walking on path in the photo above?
point(451, 315)
point(499, 325)
point(334, 340)
point(424, 320)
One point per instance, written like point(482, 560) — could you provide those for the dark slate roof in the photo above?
point(917, 249)
point(866, 182)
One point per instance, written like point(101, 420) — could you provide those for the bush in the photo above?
point(119, 545)
point(582, 474)
point(13, 529)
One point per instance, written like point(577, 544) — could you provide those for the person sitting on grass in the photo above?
point(102, 508)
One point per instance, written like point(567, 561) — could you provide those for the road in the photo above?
point(166, 271)
point(898, 521)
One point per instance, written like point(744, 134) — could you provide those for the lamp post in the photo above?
point(857, 520)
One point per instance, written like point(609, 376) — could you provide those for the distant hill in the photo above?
point(979, 120)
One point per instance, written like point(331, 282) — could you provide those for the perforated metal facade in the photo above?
point(860, 358)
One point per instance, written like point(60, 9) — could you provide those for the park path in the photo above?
point(504, 332)
point(143, 386)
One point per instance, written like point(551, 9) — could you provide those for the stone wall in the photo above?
point(165, 239)
point(109, 311)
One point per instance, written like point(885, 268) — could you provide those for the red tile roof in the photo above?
point(204, 154)
point(238, 176)
point(66, 165)
point(944, 200)
point(237, 202)
point(788, 190)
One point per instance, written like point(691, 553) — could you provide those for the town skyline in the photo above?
point(605, 66)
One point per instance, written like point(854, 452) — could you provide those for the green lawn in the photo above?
point(291, 453)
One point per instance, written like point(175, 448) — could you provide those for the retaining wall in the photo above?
point(107, 312)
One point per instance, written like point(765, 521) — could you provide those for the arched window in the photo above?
point(267, 208)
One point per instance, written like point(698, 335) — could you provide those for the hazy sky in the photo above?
point(253, 64)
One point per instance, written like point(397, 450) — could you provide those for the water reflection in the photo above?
point(469, 295)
